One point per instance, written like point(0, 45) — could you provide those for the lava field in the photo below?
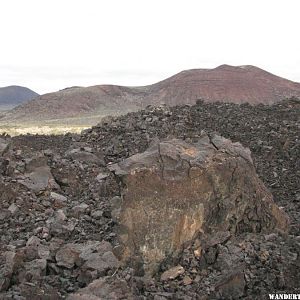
point(58, 237)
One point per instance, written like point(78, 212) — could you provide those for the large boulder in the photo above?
point(175, 191)
point(38, 176)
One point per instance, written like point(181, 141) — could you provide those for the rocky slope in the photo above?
point(224, 83)
point(89, 104)
point(12, 96)
point(58, 196)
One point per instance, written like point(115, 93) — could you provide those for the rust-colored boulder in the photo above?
point(175, 190)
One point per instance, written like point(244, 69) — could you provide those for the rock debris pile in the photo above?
point(77, 218)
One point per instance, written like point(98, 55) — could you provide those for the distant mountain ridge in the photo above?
point(237, 84)
point(11, 96)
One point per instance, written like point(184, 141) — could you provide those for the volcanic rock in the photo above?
point(232, 284)
point(175, 190)
point(3, 146)
point(58, 201)
point(172, 273)
point(12, 261)
point(68, 255)
point(38, 176)
point(33, 270)
point(220, 264)
point(79, 209)
point(3, 165)
point(105, 290)
point(100, 263)
point(101, 177)
point(7, 268)
point(58, 197)
point(82, 155)
point(91, 256)
point(13, 208)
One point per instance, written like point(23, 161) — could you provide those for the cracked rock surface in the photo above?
point(175, 191)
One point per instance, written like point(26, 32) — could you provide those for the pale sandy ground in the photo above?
point(46, 130)
point(52, 126)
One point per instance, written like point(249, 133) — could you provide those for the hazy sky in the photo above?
point(48, 45)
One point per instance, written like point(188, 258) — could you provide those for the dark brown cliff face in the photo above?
point(225, 83)
point(175, 191)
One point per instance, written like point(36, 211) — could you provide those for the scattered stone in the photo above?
point(232, 286)
point(101, 176)
point(172, 273)
point(187, 280)
point(91, 256)
point(87, 157)
point(104, 289)
point(101, 263)
point(68, 255)
point(58, 197)
point(79, 209)
point(3, 146)
point(268, 261)
point(97, 214)
point(197, 252)
point(33, 241)
point(13, 208)
point(33, 270)
point(7, 269)
point(39, 180)
point(4, 214)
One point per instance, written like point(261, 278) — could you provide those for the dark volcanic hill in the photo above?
point(78, 102)
point(224, 83)
point(14, 95)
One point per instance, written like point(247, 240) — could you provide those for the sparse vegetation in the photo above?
point(41, 129)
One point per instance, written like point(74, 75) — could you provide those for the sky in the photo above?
point(53, 44)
